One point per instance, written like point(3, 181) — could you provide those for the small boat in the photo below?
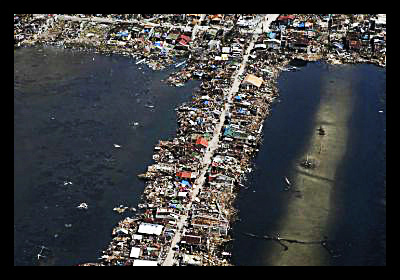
point(117, 146)
point(141, 61)
point(179, 64)
point(250, 234)
point(146, 176)
point(289, 68)
point(321, 131)
point(149, 106)
point(82, 206)
point(287, 181)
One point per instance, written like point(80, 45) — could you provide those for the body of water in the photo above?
point(70, 108)
point(350, 207)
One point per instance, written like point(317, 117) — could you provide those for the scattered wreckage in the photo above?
point(211, 49)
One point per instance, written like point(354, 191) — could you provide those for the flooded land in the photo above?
point(200, 140)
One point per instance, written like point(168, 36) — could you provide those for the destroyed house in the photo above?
point(212, 224)
point(178, 17)
point(172, 37)
point(191, 239)
point(193, 16)
point(272, 44)
point(252, 80)
point(299, 25)
point(192, 260)
point(221, 178)
point(215, 18)
point(151, 229)
point(355, 45)
point(186, 175)
point(188, 30)
point(285, 20)
point(183, 40)
point(210, 34)
point(202, 142)
point(166, 213)
point(162, 167)
point(299, 43)
point(380, 23)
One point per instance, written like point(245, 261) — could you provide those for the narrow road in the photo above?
point(213, 144)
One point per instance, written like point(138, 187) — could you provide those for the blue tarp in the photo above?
point(238, 97)
point(227, 131)
point(184, 182)
point(241, 111)
point(301, 24)
point(123, 34)
point(271, 35)
point(338, 45)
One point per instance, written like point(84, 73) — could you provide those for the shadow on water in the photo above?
point(286, 132)
point(357, 223)
point(70, 107)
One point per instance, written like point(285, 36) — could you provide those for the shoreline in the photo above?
point(190, 190)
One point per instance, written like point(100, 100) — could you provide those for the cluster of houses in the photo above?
point(213, 48)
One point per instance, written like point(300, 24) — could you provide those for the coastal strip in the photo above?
point(186, 212)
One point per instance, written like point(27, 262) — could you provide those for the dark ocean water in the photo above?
point(357, 225)
point(70, 107)
point(69, 110)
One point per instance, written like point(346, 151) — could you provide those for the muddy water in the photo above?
point(70, 108)
point(343, 197)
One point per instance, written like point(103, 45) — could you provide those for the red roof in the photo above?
point(215, 17)
point(182, 42)
point(286, 17)
point(184, 37)
point(191, 239)
point(202, 141)
point(184, 174)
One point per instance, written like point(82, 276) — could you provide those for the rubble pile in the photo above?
point(336, 38)
point(180, 212)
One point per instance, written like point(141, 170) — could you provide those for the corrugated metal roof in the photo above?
point(254, 80)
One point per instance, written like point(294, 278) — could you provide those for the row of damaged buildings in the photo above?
point(213, 47)
point(337, 38)
point(177, 163)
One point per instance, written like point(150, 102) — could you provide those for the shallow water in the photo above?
point(70, 107)
point(355, 222)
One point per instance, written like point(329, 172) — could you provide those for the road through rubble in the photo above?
point(213, 144)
